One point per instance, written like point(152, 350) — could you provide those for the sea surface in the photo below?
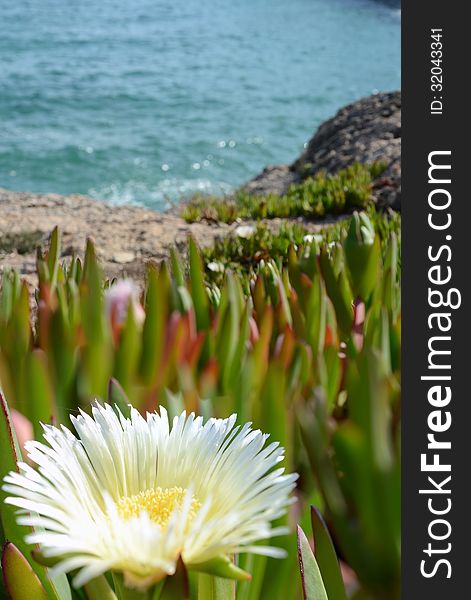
point(146, 101)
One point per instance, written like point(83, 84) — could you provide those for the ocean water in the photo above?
point(146, 101)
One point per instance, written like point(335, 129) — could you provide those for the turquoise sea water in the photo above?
point(146, 100)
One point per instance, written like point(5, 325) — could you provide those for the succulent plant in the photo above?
point(287, 332)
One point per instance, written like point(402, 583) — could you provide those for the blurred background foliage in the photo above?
point(296, 331)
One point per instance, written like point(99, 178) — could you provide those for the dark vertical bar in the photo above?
point(423, 133)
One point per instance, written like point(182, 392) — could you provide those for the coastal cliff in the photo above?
point(365, 131)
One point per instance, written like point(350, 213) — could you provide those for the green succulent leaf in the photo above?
point(99, 589)
point(198, 289)
point(156, 308)
point(53, 256)
point(220, 566)
point(117, 396)
point(10, 454)
point(41, 403)
point(215, 588)
point(339, 293)
point(256, 565)
point(311, 578)
point(326, 557)
point(363, 255)
point(21, 581)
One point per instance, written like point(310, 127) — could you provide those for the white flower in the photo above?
point(311, 237)
point(245, 231)
point(118, 297)
point(133, 494)
point(216, 267)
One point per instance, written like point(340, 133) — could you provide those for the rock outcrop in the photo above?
point(366, 131)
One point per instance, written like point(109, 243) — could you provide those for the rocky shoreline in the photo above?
point(365, 131)
point(128, 236)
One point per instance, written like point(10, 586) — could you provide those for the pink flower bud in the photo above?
point(118, 298)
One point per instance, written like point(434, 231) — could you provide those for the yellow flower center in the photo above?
point(158, 503)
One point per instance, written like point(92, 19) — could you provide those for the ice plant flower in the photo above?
point(313, 237)
point(119, 297)
point(245, 231)
point(216, 267)
point(134, 494)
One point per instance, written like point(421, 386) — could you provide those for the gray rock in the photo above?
point(272, 180)
point(366, 131)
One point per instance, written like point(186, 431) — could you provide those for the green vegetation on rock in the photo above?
point(313, 197)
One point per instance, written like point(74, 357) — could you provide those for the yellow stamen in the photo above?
point(158, 503)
